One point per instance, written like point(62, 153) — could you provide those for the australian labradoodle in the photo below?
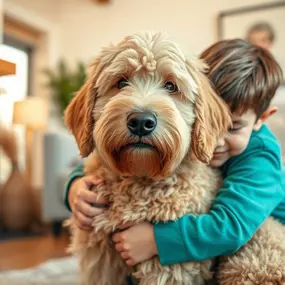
point(149, 120)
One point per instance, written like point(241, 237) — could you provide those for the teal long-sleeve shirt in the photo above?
point(253, 189)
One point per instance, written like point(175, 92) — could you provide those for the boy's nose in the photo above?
point(221, 141)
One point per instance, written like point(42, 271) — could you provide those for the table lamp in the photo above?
point(33, 114)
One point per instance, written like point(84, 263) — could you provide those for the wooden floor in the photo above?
point(29, 252)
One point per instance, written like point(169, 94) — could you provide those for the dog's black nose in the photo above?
point(141, 123)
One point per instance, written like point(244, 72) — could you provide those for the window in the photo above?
point(14, 88)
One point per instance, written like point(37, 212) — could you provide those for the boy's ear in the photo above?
point(265, 115)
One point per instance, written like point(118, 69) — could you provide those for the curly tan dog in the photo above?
point(149, 120)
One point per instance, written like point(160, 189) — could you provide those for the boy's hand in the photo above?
point(136, 243)
point(80, 199)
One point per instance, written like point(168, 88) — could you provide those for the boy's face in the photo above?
point(260, 38)
point(236, 139)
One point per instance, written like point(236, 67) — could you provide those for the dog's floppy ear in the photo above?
point(78, 115)
point(212, 114)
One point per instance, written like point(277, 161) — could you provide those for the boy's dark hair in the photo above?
point(244, 75)
point(262, 27)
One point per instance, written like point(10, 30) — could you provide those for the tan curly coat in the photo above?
point(166, 179)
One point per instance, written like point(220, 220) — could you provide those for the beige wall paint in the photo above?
point(86, 27)
point(47, 9)
point(1, 21)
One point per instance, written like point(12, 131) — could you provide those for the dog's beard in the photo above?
point(156, 155)
point(139, 160)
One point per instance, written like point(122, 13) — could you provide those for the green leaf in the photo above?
point(64, 82)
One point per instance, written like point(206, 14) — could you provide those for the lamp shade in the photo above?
point(31, 112)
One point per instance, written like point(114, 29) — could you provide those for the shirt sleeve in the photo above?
point(75, 173)
point(250, 192)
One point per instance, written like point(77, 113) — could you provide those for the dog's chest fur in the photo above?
point(189, 190)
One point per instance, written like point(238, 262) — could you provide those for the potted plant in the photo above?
point(64, 82)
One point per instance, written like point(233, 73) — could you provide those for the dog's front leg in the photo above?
point(100, 264)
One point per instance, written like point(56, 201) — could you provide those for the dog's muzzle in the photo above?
point(141, 123)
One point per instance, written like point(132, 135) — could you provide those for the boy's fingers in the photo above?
point(126, 225)
point(101, 200)
point(91, 180)
point(97, 181)
point(87, 196)
point(119, 247)
point(116, 238)
point(130, 262)
point(93, 198)
point(125, 255)
point(83, 220)
point(88, 210)
point(84, 228)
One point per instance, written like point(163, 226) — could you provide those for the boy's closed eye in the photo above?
point(237, 126)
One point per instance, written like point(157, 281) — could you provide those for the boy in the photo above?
point(248, 155)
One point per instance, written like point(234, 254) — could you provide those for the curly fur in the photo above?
point(160, 182)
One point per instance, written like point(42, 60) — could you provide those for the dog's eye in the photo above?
point(123, 82)
point(170, 87)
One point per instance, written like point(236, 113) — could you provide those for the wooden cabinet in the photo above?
point(7, 68)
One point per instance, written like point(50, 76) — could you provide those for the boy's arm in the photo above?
point(76, 173)
point(251, 191)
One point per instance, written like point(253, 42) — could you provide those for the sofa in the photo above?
point(55, 155)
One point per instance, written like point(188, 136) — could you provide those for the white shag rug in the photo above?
point(62, 271)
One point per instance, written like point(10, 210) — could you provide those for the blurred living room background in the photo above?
point(46, 47)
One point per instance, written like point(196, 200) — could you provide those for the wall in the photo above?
point(47, 9)
point(1, 21)
point(88, 26)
